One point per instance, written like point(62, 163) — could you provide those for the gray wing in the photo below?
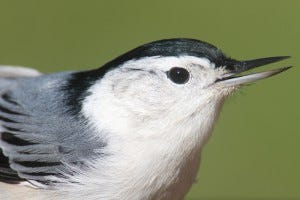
point(40, 138)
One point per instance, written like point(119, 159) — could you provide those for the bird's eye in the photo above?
point(178, 75)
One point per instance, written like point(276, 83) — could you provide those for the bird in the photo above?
point(133, 129)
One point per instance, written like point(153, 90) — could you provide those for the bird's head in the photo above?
point(168, 83)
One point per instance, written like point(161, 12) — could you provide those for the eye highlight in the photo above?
point(178, 75)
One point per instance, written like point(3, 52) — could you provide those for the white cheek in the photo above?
point(141, 97)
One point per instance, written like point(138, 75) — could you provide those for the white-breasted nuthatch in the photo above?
point(131, 130)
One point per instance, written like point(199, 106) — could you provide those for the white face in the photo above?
point(144, 93)
point(146, 86)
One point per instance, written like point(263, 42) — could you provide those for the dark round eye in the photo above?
point(178, 75)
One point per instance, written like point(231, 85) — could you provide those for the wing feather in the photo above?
point(38, 141)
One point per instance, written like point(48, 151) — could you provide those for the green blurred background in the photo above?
point(254, 152)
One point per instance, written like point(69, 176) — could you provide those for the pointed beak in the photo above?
point(236, 67)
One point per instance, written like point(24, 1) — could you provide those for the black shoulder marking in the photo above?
point(76, 88)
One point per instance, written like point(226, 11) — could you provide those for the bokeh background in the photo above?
point(254, 152)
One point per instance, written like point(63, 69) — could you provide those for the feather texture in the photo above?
point(35, 145)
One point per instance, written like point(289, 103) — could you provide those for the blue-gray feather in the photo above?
point(38, 134)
